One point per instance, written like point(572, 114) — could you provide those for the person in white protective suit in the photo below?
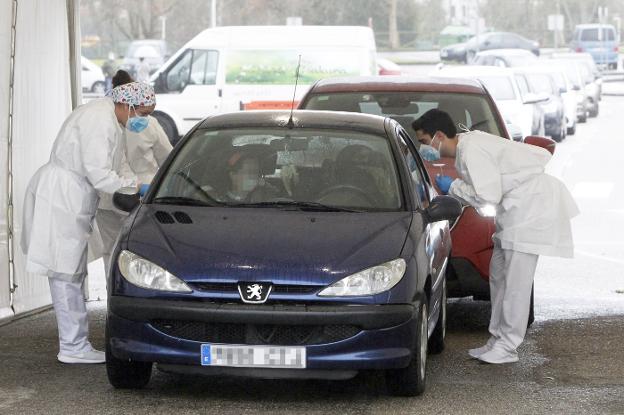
point(61, 201)
point(143, 152)
point(533, 213)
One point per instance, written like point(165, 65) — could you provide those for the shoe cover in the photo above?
point(92, 356)
point(498, 355)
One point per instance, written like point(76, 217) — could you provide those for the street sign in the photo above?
point(555, 22)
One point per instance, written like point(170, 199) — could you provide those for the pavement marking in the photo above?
point(593, 190)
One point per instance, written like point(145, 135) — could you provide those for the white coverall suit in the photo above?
point(60, 204)
point(533, 212)
point(143, 154)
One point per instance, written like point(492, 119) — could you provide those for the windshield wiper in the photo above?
point(313, 206)
point(180, 200)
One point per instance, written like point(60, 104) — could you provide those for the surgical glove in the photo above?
point(444, 183)
point(143, 189)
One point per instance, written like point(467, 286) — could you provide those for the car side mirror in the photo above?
point(126, 199)
point(443, 208)
point(576, 88)
point(543, 142)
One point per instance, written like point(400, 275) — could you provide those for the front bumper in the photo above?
point(383, 340)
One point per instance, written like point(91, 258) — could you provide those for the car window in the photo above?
point(500, 87)
point(540, 83)
point(471, 110)
point(416, 170)
point(523, 85)
point(204, 67)
point(594, 35)
point(233, 167)
point(178, 75)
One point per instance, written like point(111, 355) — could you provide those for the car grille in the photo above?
point(279, 335)
point(277, 289)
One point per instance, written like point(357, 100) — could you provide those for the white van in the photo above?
point(253, 67)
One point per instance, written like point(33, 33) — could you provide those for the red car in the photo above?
point(406, 99)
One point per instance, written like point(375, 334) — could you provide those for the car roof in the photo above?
point(504, 52)
point(330, 120)
point(398, 83)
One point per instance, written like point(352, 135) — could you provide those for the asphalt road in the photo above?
point(572, 361)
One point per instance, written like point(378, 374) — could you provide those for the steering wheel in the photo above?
point(345, 188)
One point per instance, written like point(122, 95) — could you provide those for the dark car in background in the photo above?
point(332, 262)
point(490, 40)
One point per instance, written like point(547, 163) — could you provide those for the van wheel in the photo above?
point(411, 381)
point(168, 126)
point(436, 341)
point(123, 374)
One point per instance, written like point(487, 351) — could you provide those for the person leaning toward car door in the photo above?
point(61, 201)
point(533, 213)
point(144, 149)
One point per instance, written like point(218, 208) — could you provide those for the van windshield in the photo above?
point(278, 67)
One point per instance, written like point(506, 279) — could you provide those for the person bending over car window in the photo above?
point(533, 213)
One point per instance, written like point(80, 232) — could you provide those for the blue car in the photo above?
point(307, 245)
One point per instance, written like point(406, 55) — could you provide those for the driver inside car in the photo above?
point(246, 173)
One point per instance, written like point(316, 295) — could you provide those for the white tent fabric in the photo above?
point(42, 101)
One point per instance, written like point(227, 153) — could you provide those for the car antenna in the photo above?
point(290, 123)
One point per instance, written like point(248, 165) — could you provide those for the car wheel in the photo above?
point(436, 341)
point(532, 308)
point(594, 111)
point(583, 118)
point(98, 87)
point(123, 374)
point(168, 126)
point(411, 381)
point(572, 130)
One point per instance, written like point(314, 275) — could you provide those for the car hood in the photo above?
point(265, 244)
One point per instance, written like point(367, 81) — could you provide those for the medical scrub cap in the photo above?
point(134, 93)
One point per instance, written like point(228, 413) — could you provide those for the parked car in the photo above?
point(387, 67)
point(599, 40)
point(405, 99)
point(454, 52)
point(333, 262)
point(591, 88)
point(504, 58)
point(486, 41)
point(573, 73)
point(92, 77)
point(566, 90)
point(587, 58)
point(522, 110)
point(227, 69)
point(541, 82)
point(154, 51)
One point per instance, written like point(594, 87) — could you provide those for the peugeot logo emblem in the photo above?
point(254, 292)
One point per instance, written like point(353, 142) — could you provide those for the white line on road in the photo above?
point(601, 257)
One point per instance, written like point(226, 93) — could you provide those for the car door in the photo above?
point(436, 234)
point(190, 87)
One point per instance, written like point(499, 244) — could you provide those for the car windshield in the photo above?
point(500, 87)
point(292, 169)
point(540, 83)
point(471, 110)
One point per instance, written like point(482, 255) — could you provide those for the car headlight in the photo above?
point(368, 282)
point(143, 273)
point(487, 211)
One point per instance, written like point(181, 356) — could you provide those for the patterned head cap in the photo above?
point(134, 93)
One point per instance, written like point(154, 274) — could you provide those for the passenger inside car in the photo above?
point(247, 168)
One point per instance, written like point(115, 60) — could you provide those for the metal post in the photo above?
point(213, 13)
point(9, 205)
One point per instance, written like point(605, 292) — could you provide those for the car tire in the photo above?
point(98, 87)
point(411, 381)
point(531, 307)
point(436, 341)
point(168, 126)
point(594, 111)
point(583, 118)
point(124, 374)
point(572, 130)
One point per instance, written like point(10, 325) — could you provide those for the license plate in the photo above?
point(253, 356)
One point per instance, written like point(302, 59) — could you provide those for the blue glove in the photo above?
point(143, 189)
point(444, 183)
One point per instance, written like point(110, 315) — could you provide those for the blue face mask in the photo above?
point(137, 124)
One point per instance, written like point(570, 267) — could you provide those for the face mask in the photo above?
point(429, 153)
point(136, 124)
